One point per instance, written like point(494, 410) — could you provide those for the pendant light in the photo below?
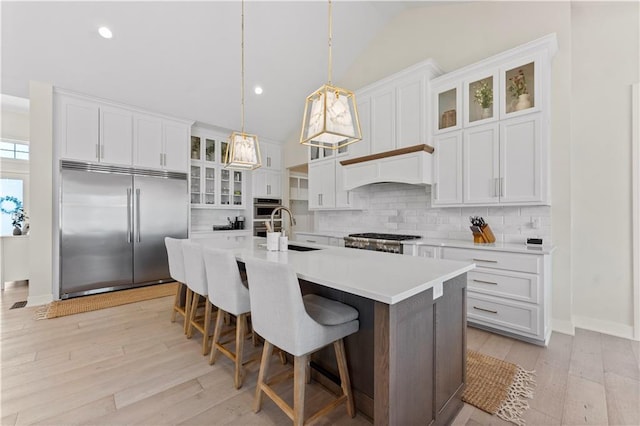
point(244, 151)
point(330, 113)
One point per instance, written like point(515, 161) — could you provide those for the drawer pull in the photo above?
point(311, 241)
point(485, 282)
point(485, 310)
point(484, 260)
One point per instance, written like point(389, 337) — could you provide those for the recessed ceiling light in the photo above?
point(105, 32)
point(258, 90)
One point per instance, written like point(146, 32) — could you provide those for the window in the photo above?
point(16, 150)
point(11, 198)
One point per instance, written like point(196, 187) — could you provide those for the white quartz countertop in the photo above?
point(384, 277)
point(510, 247)
point(330, 234)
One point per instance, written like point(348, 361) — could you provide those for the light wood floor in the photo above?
point(130, 365)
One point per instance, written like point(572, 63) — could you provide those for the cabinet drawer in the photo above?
point(506, 315)
point(315, 239)
point(428, 251)
point(513, 285)
point(495, 259)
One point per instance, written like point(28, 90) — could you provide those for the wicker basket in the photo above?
point(448, 119)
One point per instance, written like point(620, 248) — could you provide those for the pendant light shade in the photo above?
point(244, 151)
point(330, 118)
point(330, 113)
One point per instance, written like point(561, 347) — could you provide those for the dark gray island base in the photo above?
point(408, 360)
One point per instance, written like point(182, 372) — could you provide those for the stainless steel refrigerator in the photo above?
point(113, 221)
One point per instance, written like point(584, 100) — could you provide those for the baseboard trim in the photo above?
point(42, 299)
point(607, 327)
point(563, 326)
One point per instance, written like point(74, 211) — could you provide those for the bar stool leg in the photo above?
point(299, 367)
point(262, 374)
point(241, 324)
point(187, 309)
point(345, 382)
point(207, 325)
point(195, 298)
point(176, 303)
point(217, 330)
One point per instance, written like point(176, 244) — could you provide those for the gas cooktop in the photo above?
point(390, 237)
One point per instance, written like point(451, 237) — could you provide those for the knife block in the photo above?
point(482, 234)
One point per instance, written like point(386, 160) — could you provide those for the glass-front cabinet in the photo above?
point(519, 83)
point(480, 96)
point(447, 101)
point(213, 186)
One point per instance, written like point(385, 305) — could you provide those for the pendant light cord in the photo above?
point(242, 72)
point(330, 54)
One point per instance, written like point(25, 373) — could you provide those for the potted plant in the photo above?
point(18, 217)
point(484, 96)
point(518, 89)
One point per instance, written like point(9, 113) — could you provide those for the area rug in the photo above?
point(60, 308)
point(498, 387)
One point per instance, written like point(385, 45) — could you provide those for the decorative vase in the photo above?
point(523, 102)
point(486, 113)
point(17, 230)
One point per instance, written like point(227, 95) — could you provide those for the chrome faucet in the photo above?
point(292, 220)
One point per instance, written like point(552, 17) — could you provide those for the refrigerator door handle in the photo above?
point(138, 215)
point(129, 214)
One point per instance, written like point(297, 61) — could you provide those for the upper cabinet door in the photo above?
point(116, 135)
point(521, 160)
point(447, 101)
point(409, 112)
point(271, 155)
point(522, 89)
point(147, 134)
point(447, 169)
point(481, 93)
point(362, 147)
point(481, 165)
point(78, 128)
point(176, 142)
point(383, 121)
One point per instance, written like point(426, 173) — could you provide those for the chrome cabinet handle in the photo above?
point(484, 260)
point(161, 159)
point(268, 161)
point(485, 310)
point(321, 199)
point(129, 213)
point(268, 189)
point(102, 151)
point(138, 239)
point(484, 282)
point(502, 187)
point(348, 197)
point(311, 241)
point(435, 191)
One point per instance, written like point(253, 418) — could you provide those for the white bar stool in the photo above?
point(196, 280)
point(300, 326)
point(229, 295)
point(176, 271)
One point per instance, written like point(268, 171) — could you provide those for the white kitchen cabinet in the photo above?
point(410, 110)
point(505, 147)
point(90, 131)
point(344, 199)
point(522, 165)
point(447, 169)
point(267, 183)
point(363, 146)
point(508, 292)
point(271, 156)
point(161, 143)
point(322, 185)
point(175, 137)
point(481, 162)
point(213, 186)
point(95, 130)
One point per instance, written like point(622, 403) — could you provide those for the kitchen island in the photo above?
point(407, 361)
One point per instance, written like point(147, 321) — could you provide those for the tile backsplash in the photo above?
point(403, 208)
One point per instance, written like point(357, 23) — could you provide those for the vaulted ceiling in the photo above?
point(183, 58)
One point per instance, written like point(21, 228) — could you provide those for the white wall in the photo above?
point(15, 125)
point(41, 199)
point(605, 65)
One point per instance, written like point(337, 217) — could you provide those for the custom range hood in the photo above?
point(412, 165)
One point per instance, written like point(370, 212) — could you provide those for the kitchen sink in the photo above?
point(301, 248)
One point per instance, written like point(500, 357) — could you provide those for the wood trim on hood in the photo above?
point(406, 150)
